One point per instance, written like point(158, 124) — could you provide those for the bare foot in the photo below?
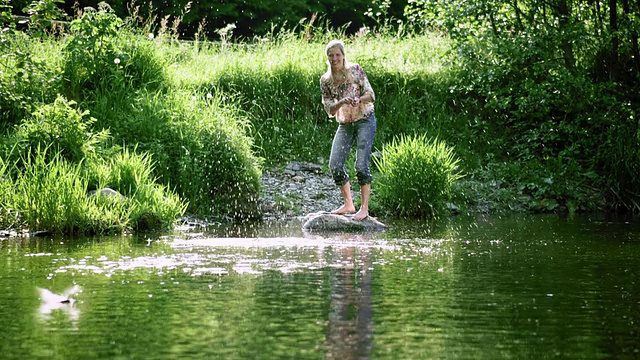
point(361, 215)
point(344, 210)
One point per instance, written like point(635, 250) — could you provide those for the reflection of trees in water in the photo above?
point(350, 323)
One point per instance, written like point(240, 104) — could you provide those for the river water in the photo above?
point(467, 287)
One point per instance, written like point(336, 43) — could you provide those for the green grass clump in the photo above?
point(416, 175)
point(130, 174)
point(51, 196)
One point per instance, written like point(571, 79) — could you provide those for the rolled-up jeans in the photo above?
point(362, 133)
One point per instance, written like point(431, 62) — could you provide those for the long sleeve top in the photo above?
point(355, 84)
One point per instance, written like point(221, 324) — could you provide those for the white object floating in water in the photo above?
point(64, 302)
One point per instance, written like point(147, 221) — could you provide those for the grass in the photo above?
point(416, 175)
point(209, 116)
point(277, 84)
point(204, 119)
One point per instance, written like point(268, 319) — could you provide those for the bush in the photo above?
point(61, 128)
point(24, 80)
point(102, 55)
point(416, 176)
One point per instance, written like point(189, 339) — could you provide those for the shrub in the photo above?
point(102, 55)
point(61, 128)
point(24, 79)
point(416, 176)
point(41, 16)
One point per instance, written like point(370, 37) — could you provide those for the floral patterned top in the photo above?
point(356, 84)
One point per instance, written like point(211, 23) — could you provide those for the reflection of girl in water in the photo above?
point(350, 320)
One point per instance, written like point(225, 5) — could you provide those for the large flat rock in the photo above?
point(325, 221)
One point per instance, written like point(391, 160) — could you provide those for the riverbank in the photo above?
point(297, 189)
point(300, 188)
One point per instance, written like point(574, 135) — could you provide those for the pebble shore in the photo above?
point(297, 189)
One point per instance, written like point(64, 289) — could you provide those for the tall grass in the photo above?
point(416, 175)
point(277, 84)
point(6, 195)
point(52, 196)
point(209, 116)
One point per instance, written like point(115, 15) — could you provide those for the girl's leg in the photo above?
point(366, 132)
point(347, 207)
point(342, 143)
point(363, 213)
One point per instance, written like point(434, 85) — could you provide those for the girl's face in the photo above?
point(336, 58)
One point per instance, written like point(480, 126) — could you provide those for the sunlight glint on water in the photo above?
point(491, 286)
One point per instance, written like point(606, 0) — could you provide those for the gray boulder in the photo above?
point(325, 221)
point(106, 192)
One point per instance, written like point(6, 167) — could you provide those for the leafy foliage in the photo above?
point(91, 53)
point(24, 79)
point(101, 54)
point(63, 129)
point(416, 175)
point(6, 16)
point(41, 16)
point(550, 80)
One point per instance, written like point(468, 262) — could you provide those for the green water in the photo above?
point(486, 287)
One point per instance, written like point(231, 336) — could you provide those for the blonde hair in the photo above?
point(340, 45)
point(335, 43)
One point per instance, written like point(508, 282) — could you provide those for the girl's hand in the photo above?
point(355, 101)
